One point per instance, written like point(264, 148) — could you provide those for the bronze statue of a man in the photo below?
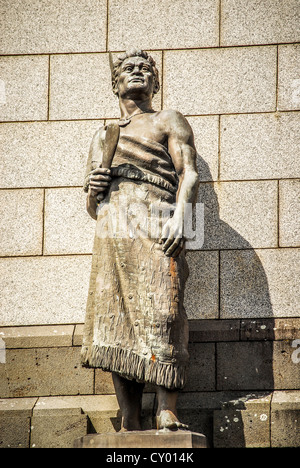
point(136, 326)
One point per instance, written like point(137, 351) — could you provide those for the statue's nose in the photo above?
point(136, 70)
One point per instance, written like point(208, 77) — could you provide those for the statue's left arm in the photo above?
point(183, 152)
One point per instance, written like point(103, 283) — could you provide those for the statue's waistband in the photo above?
point(131, 172)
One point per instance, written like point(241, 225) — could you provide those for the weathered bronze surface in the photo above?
point(139, 171)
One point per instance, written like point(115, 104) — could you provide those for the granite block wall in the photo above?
point(231, 67)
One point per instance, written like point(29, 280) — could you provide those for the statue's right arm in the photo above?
point(96, 179)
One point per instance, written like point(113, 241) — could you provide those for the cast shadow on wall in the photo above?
point(243, 367)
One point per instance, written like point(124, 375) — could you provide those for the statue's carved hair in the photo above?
point(116, 65)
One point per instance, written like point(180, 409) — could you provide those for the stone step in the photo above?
point(227, 419)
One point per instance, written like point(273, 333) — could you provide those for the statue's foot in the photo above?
point(167, 420)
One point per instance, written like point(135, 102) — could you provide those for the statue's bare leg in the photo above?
point(166, 415)
point(129, 395)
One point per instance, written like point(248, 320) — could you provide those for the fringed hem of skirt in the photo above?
point(132, 366)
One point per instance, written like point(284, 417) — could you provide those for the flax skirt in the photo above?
point(135, 322)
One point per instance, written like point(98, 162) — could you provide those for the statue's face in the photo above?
point(135, 77)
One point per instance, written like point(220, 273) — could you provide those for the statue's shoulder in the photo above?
point(173, 120)
point(100, 133)
point(170, 114)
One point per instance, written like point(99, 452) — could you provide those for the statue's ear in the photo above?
point(156, 87)
point(115, 88)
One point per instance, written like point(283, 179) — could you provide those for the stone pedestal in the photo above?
point(143, 439)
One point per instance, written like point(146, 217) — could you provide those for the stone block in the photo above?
point(45, 154)
point(15, 416)
point(259, 283)
point(196, 410)
point(287, 328)
point(81, 87)
point(202, 289)
point(44, 290)
point(286, 364)
point(21, 229)
point(285, 413)
point(258, 329)
point(78, 333)
point(163, 25)
point(270, 329)
point(245, 366)
point(68, 227)
point(244, 289)
point(239, 214)
point(201, 372)
point(24, 88)
point(103, 383)
point(56, 423)
point(242, 423)
point(40, 26)
point(257, 22)
point(44, 371)
point(37, 336)
point(282, 271)
point(214, 330)
point(103, 413)
point(206, 133)
point(105, 416)
point(288, 77)
point(227, 80)
point(259, 146)
point(289, 209)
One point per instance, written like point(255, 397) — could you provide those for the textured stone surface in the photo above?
point(286, 364)
point(257, 22)
point(257, 365)
point(21, 228)
point(68, 227)
point(214, 330)
point(201, 373)
point(244, 422)
point(15, 422)
point(48, 290)
point(285, 426)
point(282, 271)
point(206, 133)
point(163, 25)
point(252, 369)
point(239, 214)
point(81, 87)
point(288, 77)
point(45, 154)
point(40, 26)
point(35, 372)
point(202, 289)
point(24, 88)
point(78, 333)
point(103, 383)
point(227, 80)
point(37, 336)
point(56, 423)
point(105, 416)
point(260, 283)
point(289, 213)
point(196, 410)
point(260, 146)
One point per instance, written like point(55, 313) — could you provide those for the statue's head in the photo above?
point(135, 69)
